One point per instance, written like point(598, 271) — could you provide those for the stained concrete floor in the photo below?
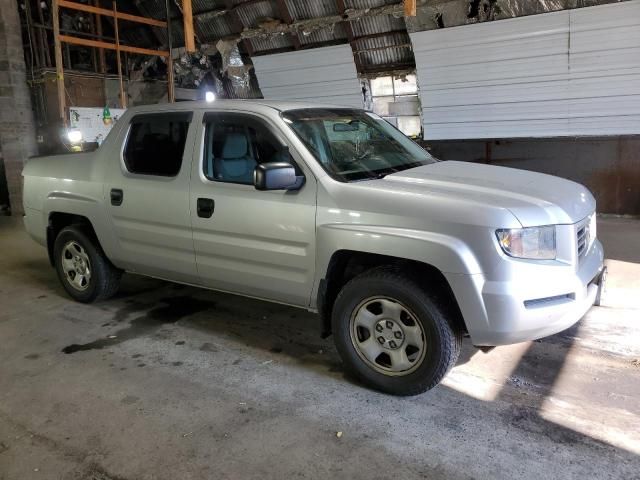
point(171, 382)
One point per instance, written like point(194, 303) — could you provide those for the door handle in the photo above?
point(116, 197)
point(205, 207)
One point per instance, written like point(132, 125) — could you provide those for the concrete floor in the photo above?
point(170, 382)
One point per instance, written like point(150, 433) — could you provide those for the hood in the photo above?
point(534, 198)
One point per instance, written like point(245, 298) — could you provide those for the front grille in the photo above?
point(583, 237)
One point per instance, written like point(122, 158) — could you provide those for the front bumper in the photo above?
point(537, 301)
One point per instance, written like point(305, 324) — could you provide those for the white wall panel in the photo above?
point(573, 72)
point(324, 75)
point(604, 65)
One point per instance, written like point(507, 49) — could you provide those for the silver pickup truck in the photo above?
point(329, 209)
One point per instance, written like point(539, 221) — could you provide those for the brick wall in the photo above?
point(17, 128)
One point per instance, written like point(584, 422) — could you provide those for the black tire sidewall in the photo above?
point(96, 264)
point(438, 334)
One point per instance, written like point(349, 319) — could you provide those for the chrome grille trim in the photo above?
point(582, 237)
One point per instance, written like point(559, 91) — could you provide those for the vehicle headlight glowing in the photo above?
point(74, 136)
point(535, 243)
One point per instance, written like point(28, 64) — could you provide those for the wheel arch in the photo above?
point(60, 220)
point(346, 264)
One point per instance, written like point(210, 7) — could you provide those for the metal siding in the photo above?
point(325, 75)
point(558, 74)
point(604, 61)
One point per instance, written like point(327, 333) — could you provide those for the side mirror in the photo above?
point(276, 176)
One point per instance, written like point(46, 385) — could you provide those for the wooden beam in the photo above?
point(350, 36)
point(380, 34)
point(108, 13)
point(111, 46)
point(189, 35)
point(57, 45)
point(288, 19)
point(237, 24)
point(410, 8)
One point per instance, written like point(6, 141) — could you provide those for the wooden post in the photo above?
point(55, 12)
point(171, 92)
point(410, 8)
point(98, 22)
point(123, 98)
point(189, 37)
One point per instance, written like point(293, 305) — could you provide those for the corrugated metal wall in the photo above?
point(325, 75)
point(568, 73)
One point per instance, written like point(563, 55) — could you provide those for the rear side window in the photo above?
point(155, 145)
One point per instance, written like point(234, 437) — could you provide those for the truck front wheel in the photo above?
point(83, 269)
point(392, 335)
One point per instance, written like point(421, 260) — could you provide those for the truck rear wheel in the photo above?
point(392, 335)
point(83, 269)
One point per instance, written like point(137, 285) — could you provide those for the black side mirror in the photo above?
point(276, 176)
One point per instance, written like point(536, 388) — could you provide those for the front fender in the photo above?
point(448, 254)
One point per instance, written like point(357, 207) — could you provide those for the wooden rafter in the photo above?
point(85, 42)
point(410, 8)
point(236, 21)
point(350, 36)
point(189, 34)
point(114, 14)
point(109, 13)
point(283, 9)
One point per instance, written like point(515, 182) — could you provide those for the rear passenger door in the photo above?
point(256, 243)
point(147, 193)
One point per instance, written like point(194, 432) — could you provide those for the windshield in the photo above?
point(353, 144)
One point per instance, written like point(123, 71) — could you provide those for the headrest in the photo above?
point(235, 145)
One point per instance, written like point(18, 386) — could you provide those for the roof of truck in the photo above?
point(250, 105)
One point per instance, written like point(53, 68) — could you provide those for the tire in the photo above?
point(101, 278)
point(371, 302)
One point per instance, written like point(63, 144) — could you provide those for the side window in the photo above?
point(235, 145)
point(156, 144)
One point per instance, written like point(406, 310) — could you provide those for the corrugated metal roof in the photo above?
point(370, 25)
point(336, 32)
point(366, 3)
point(254, 12)
point(397, 54)
point(302, 10)
point(271, 43)
point(211, 26)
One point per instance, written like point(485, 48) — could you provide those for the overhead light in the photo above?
point(74, 136)
point(209, 96)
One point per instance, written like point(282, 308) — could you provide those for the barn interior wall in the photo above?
point(608, 166)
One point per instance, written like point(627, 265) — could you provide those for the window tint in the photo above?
point(156, 144)
point(235, 145)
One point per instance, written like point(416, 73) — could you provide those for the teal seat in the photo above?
point(236, 162)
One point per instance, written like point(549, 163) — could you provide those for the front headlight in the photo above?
point(535, 243)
